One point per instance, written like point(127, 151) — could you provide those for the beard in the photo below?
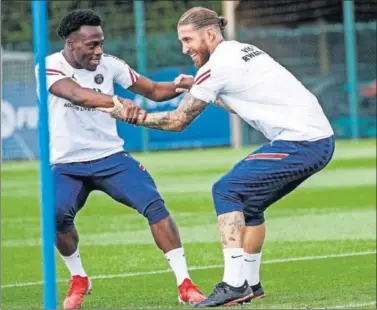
point(201, 58)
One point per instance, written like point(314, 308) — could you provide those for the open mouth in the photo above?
point(193, 56)
point(95, 62)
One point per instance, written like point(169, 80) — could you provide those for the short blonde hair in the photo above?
point(201, 17)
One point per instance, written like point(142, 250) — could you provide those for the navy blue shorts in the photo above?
point(268, 174)
point(119, 175)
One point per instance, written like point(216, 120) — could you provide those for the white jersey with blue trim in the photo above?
point(79, 134)
point(262, 92)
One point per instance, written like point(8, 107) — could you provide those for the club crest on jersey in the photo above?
point(98, 79)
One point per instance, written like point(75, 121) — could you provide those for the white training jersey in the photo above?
point(79, 134)
point(262, 92)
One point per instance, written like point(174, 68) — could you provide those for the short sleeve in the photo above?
point(208, 84)
point(124, 75)
point(55, 71)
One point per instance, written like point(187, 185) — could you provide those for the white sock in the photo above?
point(73, 262)
point(233, 265)
point(177, 261)
point(251, 267)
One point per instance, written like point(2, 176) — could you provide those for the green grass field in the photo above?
point(320, 250)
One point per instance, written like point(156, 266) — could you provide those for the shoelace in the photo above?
point(219, 288)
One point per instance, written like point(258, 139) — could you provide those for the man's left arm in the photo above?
point(156, 91)
point(129, 79)
point(177, 120)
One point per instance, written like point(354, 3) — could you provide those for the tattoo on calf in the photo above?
point(223, 238)
point(231, 228)
point(222, 221)
point(236, 224)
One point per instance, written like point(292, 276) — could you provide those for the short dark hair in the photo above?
point(75, 19)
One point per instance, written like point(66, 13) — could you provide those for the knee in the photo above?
point(64, 217)
point(156, 211)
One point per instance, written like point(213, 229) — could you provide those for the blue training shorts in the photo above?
point(118, 175)
point(268, 174)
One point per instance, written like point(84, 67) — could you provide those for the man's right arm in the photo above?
point(86, 97)
point(184, 82)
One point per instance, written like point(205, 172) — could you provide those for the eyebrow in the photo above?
point(94, 41)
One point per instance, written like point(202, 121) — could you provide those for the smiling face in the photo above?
point(86, 47)
point(194, 44)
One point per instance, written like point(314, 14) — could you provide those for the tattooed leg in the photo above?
point(231, 227)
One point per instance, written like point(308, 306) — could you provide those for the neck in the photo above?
point(69, 58)
point(215, 44)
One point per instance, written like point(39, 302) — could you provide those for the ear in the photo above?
point(210, 34)
point(70, 43)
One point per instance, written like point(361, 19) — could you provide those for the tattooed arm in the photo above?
point(184, 82)
point(177, 120)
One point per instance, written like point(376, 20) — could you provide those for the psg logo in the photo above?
point(98, 78)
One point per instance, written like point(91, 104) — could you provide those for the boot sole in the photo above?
point(254, 297)
point(186, 302)
point(239, 300)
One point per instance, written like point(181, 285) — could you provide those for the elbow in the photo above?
point(180, 126)
point(176, 126)
point(183, 121)
point(172, 127)
point(180, 122)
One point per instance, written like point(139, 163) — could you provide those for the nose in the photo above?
point(185, 49)
point(98, 50)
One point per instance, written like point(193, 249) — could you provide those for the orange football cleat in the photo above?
point(79, 287)
point(189, 293)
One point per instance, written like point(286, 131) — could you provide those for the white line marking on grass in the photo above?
point(144, 273)
point(363, 304)
point(345, 306)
